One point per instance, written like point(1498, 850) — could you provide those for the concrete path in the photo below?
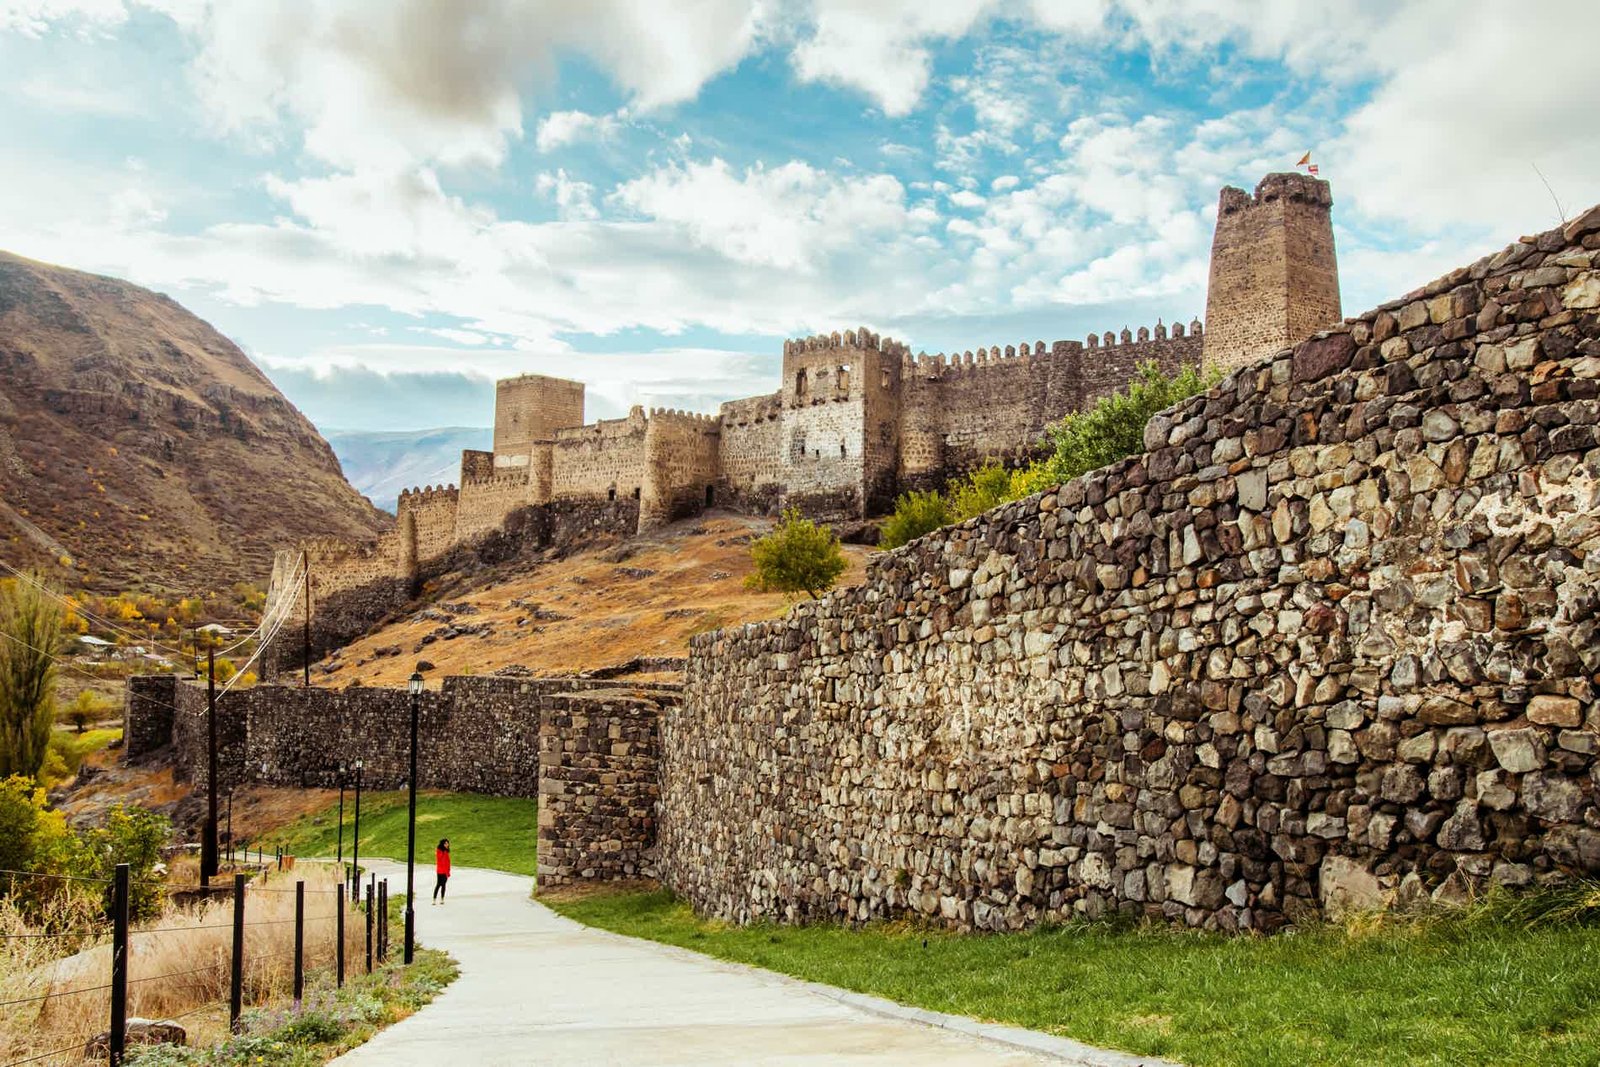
point(536, 988)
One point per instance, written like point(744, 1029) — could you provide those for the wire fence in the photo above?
point(158, 970)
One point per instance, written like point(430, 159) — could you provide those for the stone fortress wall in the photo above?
point(563, 740)
point(857, 417)
point(1334, 636)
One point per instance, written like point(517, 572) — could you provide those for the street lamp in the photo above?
point(208, 840)
point(341, 814)
point(411, 820)
point(355, 843)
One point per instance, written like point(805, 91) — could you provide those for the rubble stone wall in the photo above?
point(1333, 637)
point(475, 734)
point(598, 786)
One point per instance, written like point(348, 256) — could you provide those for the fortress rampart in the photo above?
point(857, 418)
point(1333, 638)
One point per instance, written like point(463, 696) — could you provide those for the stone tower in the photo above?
point(1274, 279)
point(841, 414)
point(531, 408)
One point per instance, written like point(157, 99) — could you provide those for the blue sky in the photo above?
point(389, 203)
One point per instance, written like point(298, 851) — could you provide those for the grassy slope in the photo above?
point(496, 832)
point(1439, 992)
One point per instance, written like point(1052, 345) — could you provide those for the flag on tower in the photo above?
point(1305, 161)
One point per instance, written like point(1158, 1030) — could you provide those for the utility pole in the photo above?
point(305, 565)
point(208, 844)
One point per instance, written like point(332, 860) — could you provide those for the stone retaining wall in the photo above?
point(598, 786)
point(1333, 637)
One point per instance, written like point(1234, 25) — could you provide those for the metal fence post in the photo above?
point(339, 949)
point(236, 967)
point(370, 895)
point(383, 921)
point(119, 964)
point(299, 942)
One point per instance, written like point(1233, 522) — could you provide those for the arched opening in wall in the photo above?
point(636, 492)
point(800, 383)
point(611, 494)
point(711, 495)
point(841, 382)
point(885, 380)
point(841, 449)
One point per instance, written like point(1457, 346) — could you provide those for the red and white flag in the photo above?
point(1305, 161)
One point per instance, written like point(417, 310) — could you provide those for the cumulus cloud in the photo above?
point(561, 128)
point(391, 83)
point(881, 47)
point(791, 216)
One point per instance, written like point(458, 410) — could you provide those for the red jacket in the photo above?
point(441, 861)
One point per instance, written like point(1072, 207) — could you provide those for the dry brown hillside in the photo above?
point(645, 597)
point(144, 445)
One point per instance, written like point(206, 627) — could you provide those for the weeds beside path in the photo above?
point(1480, 988)
point(500, 833)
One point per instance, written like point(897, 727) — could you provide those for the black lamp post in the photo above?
point(411, 820)
point(230, 824)
point(208, 841)
point(355, 843)
point(341, 815)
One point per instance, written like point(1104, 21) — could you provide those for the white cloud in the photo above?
point(881, 47)
point(561, 128)
point(790, 216)
point(1453, 136)
point(387, 84)
point(574, 199)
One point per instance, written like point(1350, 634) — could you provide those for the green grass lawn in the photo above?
point(496, 832)
point(1482, 989)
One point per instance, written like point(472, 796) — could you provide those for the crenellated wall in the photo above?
point(1333, 639)
point(604, 459)
point(682, 466)
point(857, 420)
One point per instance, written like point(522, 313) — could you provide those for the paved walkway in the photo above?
point(536, 988)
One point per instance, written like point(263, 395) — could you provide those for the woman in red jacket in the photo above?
point(441, 868)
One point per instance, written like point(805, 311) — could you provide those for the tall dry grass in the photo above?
point(178, 965)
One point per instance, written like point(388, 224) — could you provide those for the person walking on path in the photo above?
point(441, 869)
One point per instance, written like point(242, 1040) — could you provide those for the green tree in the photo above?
point(30, 638)
point(133, 836)
point(915, 514)
point(1114, 428)
point(797, 557)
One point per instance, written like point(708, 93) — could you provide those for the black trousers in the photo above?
point(438, 886)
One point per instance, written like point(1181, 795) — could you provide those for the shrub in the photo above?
point(914, 515)
point(987, 487)
point(1114, 428)
point(31, 622)
point(799, 556)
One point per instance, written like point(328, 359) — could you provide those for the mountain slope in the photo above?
point(381, 464)
point(144, 445)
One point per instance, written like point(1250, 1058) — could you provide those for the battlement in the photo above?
point(1298, 188)
point(708, 423)
point(1145, 334)
point(428, 494)
point(858, 340)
